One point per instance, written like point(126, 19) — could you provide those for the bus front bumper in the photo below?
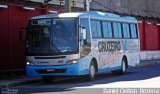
point(62, 70)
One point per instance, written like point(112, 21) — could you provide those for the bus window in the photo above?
point(126, 32)
point(85, 23)
point(96, 29)
point(99, 32)
point(93, 28)
point(133, 30)
point(120, 30)
point(107, 29)
point(86, 44)
point(117, 30)
point(136, 30)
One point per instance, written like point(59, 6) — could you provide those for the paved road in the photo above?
point(144, 77)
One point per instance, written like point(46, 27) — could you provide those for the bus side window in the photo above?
point(96, 29)
point(93, 29)
point(136, 30)
point(99, 31)
point(117, 30)
point(126, 31)
point(107, 29)
point(85, 44)
point(85, 22)
point(120, 30)
point(133, 30)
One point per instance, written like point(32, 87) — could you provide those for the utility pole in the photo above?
point(87, 6)
point(68, 5)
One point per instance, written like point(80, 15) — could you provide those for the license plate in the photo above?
point(50, 70)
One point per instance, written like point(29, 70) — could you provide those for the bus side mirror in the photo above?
point(22, 29)
point(83, 33)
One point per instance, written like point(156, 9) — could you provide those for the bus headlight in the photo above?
point(29, 63)
point(72, 61)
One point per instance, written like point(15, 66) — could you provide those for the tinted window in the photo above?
point(133, 30)
point(52, 36)
point(85, 23)
point(126, 32)
point(117, 30)
point(93, 29)
point(99, 32)
point(85, 45)
point(96, 29)
point(107, 29)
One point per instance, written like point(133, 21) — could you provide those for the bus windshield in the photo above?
point(52, 36)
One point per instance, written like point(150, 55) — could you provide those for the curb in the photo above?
point(147, 63)
point(19, 83)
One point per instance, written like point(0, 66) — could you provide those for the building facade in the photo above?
point(14, 16)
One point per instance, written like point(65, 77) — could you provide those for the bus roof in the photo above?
point(90, 14)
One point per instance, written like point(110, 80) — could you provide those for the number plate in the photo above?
point(50, 70)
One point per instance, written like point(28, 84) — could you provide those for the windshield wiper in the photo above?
point(67, 50)
point(55, 49)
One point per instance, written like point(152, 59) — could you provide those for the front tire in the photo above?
point(92, 72)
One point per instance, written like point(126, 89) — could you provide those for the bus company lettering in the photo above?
point(109, 46)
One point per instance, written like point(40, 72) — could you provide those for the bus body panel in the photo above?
point(108, 61)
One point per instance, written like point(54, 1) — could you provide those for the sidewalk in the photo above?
point(27, 80)
point(145, 63)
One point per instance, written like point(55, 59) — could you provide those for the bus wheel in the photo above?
point(48, 79)
point(123, 66)
point(92, 72)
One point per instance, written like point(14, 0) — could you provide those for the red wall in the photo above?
point(11, 49)
point(4, 39)
point(149, 36)
point(11, 20)
point(152, 37)
point(142, 35)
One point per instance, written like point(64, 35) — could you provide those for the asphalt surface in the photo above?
point(140, 77)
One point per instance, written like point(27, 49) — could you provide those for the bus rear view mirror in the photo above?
point(83, 33)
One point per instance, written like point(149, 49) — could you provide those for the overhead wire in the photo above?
point(110, 10)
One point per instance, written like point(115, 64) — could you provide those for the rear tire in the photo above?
point(48, 79)
point(123, 69)
point(123, 66)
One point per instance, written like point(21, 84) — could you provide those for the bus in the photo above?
point(81, 44)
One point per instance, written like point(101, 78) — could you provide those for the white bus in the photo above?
point(82, 43)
